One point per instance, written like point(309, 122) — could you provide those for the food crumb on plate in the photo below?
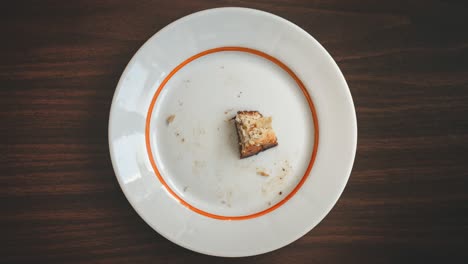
point(262, 173)
point(169, 119)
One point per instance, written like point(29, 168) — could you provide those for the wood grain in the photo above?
point(406, 63)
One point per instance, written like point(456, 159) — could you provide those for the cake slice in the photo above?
point(254, 132)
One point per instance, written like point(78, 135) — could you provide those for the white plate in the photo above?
point(185, 178)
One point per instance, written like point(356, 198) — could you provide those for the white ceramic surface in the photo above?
point(197, 155)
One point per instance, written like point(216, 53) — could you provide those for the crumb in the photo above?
point(227, 111)
point(280, 193)
point(284, 169)
point(262, 173)
point(218, 128)
point(183, 139)
point(169, 119)
point(223, 202)
point(269, 203)
point(177, 134)
point(185, 188)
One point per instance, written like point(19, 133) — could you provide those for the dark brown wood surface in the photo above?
point(406, 63)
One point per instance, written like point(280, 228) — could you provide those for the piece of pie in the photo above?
point(255, 133)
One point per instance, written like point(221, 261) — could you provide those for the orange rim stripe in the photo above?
point(304, 91)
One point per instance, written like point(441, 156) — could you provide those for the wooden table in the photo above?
point(406, 63)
